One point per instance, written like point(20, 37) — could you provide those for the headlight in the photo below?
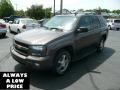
point(38, 50)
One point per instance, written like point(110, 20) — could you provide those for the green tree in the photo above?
point(20, 13)
point(105, 10)
point(47, 12)
point(116, 11)
point(6, 9)
point(37, 12)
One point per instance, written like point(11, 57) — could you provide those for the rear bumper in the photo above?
point(115, 27)
point(31, 61)
point(3, 31)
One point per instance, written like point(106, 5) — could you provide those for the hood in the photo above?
point(38, 36)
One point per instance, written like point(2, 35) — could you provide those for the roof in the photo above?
point(78, 14)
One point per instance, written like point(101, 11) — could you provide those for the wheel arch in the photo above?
point(104, 37)
point(68, 48)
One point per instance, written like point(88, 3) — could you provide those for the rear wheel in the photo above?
point(117, 29)
point(18, 31)
point(109, 27)
point(62, 62)
point(3, 35)
point(101, 45)
point(10, 30)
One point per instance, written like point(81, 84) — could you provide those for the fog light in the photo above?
point(36, 64)
point(36, 54)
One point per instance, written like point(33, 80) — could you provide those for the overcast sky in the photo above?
point(69, 4)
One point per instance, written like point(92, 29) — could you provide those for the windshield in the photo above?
point(61, 22)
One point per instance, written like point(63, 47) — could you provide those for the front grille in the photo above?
point(21, 48)
point(22, 44)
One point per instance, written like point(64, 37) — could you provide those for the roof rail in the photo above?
point(85, 13)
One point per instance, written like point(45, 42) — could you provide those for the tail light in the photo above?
point(24, 27)
point(2, 25)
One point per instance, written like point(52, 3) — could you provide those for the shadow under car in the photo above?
point(46, 81)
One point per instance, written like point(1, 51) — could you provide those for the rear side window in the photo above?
point(117, 21)
point(103, 22)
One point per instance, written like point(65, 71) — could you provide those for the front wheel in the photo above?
point(101, 45)
point(62, 62)
point(10, 30)
point(109, 27)
point(3, 35)
point(18, 31)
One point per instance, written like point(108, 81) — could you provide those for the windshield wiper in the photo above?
point(46, 27)
point(57, 29)
point(60, 29)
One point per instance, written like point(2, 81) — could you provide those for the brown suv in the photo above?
point(63, 39)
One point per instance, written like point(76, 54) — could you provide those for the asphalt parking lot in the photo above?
point(95, 72)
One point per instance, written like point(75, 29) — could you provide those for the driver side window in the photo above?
point(85, 22)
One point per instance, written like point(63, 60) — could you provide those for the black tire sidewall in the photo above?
point(109, 27)
point(99, 47)
point(18, 31)
point(10, 30)
point(3, 35)
point(61, 52)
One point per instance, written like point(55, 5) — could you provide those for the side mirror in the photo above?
point(82, 29)
point(11, 22)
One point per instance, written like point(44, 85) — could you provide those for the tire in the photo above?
point(117, 29)
point(61, 62)
point(10, 30)
point(18, 31)
point(101, 45)
point(3, 35)
point(109, 27)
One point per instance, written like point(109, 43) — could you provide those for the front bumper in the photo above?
point(32, 61)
